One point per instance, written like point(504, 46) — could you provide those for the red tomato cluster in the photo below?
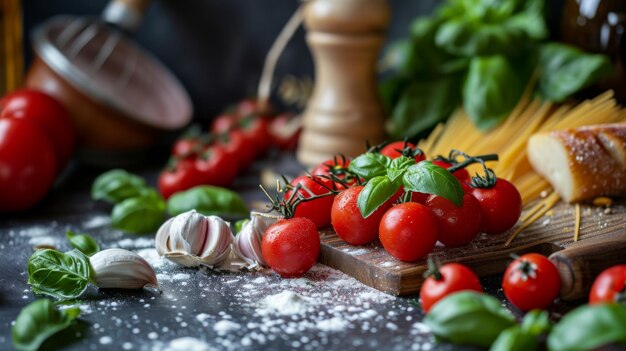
point(36, 141)
point(236, 139)
point(410, 230)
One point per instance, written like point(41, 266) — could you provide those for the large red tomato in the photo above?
point(27, 164)
point(291, 246)
point(49, 114)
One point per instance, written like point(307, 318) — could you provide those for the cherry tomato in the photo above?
point(46, 112)
point(216, 167)
point(394, 150)
point(338, 167)
point(182, 176)
point(285, 130)
point(501, 206)
point(236, 147)
point(187, 147)
point(531, 281)
point(317, 210)
point(609, 286)
point(348, 222)
point(462, 174)
point(291, 246)
point(224, 124)
point(408, 231)
point(448, 279)
point(27, 164)
point(255, 131)
point(457, 225)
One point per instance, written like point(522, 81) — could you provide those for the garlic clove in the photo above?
point(121, 269)
point(188, 233)
point(218, 242)
point(248, 241)
point(161, 240)
point(183, 259)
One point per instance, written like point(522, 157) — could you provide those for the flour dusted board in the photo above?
point(486, 255)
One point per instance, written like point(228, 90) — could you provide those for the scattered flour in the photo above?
point(224, 326)
point(44, 240)
point(333, 324)
point(201, 317)
point(286, 303)
point(106, 340)
point(95, 222)
point(186, 344)
point(35, 231)
point(139, 243)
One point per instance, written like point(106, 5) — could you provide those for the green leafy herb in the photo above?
point(369, 165)
point(142, 214)
point(116, 186)
point(524, 337)
point(83, 242)
point(589, 327)
point(469, 318)
point(238, 226)
point(481, 54)
point(60, 275)
point(398, 166)
point(208, 200)
point(375, 193)
point(39, 321)
point(566, 70)
point(484, 98)
point(425, 177)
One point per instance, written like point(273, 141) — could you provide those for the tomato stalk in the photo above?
point(433, 270)
point(454, 154)
point(287, 207)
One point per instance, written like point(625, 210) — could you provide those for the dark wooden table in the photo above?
point(221, 311)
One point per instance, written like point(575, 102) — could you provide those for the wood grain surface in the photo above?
point(486, 254)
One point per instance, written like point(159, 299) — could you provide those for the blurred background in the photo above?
point(216, 47)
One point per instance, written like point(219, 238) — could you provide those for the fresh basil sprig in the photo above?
point(39, 321)
point(589, 327)
point(524, 337)
point(116, 186)
point(60, 275)
point(469, 318)
point(141, 214)
point(208, 200)
point(83, 242)
point(386, 176)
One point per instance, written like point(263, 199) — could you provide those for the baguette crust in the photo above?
point(582, 163)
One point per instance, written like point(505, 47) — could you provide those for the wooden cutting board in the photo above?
point(602, 243)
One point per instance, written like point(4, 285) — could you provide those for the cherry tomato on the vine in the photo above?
point(394, 150)
point(531, 281)
point(255, 130)
point(224, 123)
point(348, 222)
point(181, 176)
point(446, 280)
point(408, 231)
point(291, 246)
point(501, 206)
point(337, 167)
point(457, 225)
point(317, 210)
point(216, 167)
point(187, 147)
point(609, 286)
point(285, 130)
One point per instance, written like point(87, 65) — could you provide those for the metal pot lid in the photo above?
point(111, 69)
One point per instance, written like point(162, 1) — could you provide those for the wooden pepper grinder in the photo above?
point(344, 111)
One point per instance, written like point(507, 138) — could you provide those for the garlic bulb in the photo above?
point(192, 239)
point(248, 241)
point(122, 269)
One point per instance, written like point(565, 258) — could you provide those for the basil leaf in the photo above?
point(369, 165)
point(491, 91)
point(208, 200)
point(39, 321)
point(524, 337)
point(398, 167)
point(588, 327)
point(142, 214)
point(83, 242)
point(468, 38)
point(514, 339)
point(469, 318)
point(566, 70)
point(116, 186)
point(425, 177)
point(60, 275)
point(377, 191)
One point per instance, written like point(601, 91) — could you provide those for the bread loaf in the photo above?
point(582, 163)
